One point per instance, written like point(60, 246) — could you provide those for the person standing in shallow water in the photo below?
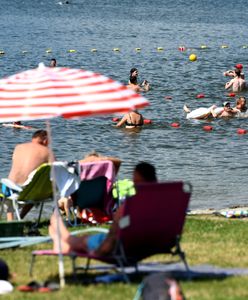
point(131, 120)
point(133, 82)
point(237, 84)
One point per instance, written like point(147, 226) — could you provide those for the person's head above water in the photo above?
point(241, 104)
point(226, 104)
point(53, 63)
point(134, 72)
point(237, 72)
point(144, 172)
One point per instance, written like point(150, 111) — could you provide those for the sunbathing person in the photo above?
point(98, 244)
point(65, 203)
point(25, 159)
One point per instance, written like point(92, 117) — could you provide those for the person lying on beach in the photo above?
point(237, 83)
point(25, 159)
point(231, 73)
point(213, 111)
point(131, 120)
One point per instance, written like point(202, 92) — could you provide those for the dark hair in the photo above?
point(133, 80)
point(238, 72)
point(147, 171)
point(4, 270)
point(41, 134)
point(53, 59)
point(133, 70)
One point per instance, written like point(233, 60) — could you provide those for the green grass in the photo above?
point(206, 240)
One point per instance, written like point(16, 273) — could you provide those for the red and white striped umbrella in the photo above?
point(46, 92)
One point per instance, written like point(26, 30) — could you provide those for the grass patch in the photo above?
point(206, 240)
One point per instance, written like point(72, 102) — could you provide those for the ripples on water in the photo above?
point(214, 162)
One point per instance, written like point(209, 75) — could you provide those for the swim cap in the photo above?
point(239, 66)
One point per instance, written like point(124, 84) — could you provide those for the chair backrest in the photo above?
point(94, 169)
point(153, 218)
point(91, 193)
point(40, 187)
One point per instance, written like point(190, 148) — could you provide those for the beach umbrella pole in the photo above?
point(57, 215)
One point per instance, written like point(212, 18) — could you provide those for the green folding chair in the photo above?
point(36, 192)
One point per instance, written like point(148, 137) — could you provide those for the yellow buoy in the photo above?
point(160, 48)
point(72, 51)
point(137, 49)
point(192, 57)
point(116, 49)
point(2, 52)
point(203, 47)
point(93, 50)
point(224, 46)
point(49, 50)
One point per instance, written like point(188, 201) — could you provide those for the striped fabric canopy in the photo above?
point(44, 93)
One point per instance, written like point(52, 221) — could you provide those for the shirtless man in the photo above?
point(231, 73)
point(227, 111)
point(25, 159)
point(237, 83)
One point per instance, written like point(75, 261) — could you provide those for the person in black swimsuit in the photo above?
point(131, 120)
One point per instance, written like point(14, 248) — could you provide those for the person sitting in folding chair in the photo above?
point(66, 203)
point(100, 243)
point(25, 159)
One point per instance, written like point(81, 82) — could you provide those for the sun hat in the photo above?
point(226, 103)
point(239, 66)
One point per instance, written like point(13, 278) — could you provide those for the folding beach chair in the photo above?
point(152, 223)
point(90, 189)
point(36, 192)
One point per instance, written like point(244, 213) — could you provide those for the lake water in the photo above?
point(214, 162)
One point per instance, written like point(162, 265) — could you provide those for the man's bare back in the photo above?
point(26, 158)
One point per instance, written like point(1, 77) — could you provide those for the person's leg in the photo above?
point(10, 216)
point(186, 109)
point(68, 242)
point(10, 211)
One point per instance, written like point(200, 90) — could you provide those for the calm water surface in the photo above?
point(214, 162)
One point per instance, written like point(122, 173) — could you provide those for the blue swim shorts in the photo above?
point(95, 240)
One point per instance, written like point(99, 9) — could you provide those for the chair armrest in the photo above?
point(11, 185)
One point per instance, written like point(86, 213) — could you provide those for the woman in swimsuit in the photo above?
point(132, 120)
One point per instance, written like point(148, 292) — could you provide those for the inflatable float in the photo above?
point(202, 113)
